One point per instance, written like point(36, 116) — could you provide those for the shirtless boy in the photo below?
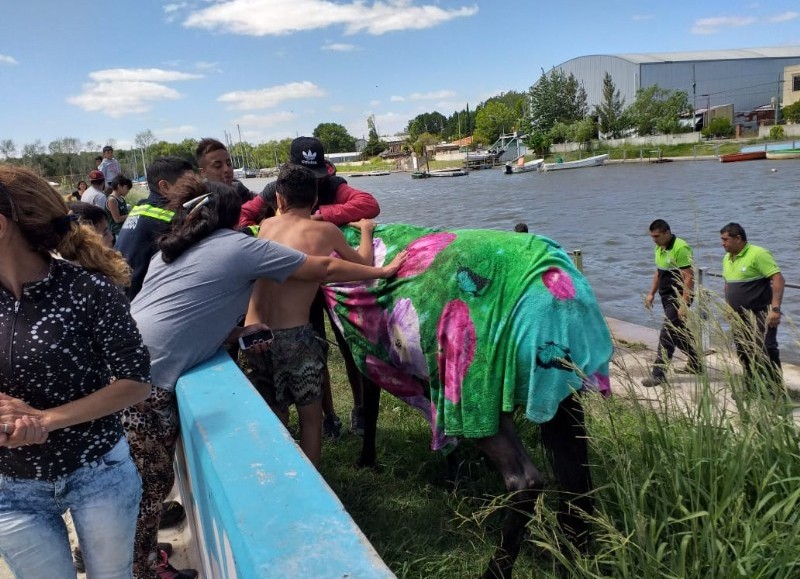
point(291, 371)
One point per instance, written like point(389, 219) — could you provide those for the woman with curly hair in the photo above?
point(72, 358)
point(195, 292)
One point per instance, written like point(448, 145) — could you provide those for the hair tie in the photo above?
point(62, 223)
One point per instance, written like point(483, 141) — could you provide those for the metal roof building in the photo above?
point(746, 78)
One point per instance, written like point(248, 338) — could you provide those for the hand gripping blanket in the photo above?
point(476, 322)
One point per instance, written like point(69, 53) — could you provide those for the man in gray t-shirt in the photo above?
point(203, 294)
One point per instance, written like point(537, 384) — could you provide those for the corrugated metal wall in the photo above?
point(745, 83)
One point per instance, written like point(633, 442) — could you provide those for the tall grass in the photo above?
point(693, 488)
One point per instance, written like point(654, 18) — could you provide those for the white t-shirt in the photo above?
point(95, 197)
point(187, 308)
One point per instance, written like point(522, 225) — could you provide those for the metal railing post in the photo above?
point(577, 259)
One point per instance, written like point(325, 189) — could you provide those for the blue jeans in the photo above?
point(103, 499)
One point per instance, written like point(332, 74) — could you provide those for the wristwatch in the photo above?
point(776, 309)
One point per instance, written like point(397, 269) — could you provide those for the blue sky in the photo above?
point(277, 68)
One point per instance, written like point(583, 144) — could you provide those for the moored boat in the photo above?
point(783, 154)
point(534, 165)
point(733, 157)
point(448, 173)
point(594, 161)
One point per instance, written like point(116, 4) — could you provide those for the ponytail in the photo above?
point(82, 244)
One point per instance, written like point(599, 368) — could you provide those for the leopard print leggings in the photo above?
point(151, 428)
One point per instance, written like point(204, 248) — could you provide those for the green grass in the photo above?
point(697, 494)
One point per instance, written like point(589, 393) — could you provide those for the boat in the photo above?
point(420, 175)
point(523, 167)
point(448, 173)
point(783, 154)
point(734, 157)
point(594, 161)
point(370, 174)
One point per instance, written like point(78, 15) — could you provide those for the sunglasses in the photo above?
point(7, 193)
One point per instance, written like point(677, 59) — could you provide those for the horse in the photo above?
point(476, 323)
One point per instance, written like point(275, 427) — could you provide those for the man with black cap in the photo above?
point(338, 203)
point(94, 194)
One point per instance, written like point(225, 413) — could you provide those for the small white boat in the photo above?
point(448, 173)
point(534, 165)
point(595, 161)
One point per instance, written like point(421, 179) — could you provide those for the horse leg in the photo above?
point(371, 394)
point(564, 438)
point(524, 481)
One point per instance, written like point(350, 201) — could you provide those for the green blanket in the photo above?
point(475, 323)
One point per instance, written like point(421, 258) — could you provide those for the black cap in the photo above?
point(308, 152)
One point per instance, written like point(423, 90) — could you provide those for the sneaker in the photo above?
point(357, 421)
point(653, 381)
point(172, 513)
point(331, 426)
point(166, 571)
point(80, 567)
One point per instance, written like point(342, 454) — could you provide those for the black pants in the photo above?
point(757, 346)
point(674, 334)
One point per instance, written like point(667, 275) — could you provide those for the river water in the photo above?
point(605, 212)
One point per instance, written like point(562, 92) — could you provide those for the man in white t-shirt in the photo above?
point(94, 194)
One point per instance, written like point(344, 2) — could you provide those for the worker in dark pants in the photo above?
point(674, 282)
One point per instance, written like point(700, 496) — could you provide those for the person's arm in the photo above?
point(113, 208)
point(365, 252)
point(648, 302)
point(687, 287)
point(251, 211)
point(108, 400)
point(331, 269)
point(778, 285)
point(350, 204)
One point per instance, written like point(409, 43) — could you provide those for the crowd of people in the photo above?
point(104, 306)
point(172, 290)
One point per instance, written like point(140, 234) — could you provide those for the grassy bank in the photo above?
point(697, 494)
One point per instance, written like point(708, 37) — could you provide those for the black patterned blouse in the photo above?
point(66, 338)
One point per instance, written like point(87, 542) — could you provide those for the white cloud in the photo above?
point(374, 103)
point(340, 47)
point(269, 97)
point(431, 96)
point(258, 17)
point(713, 25)
point(640, 17)
point(397, 98)
point(785, 17)
point(179, 131)
point(207, 66)
point(7, 60)
point(265, 121)
point(118, 92)
point(336, 108)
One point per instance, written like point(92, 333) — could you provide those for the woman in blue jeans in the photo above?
point(71, 358)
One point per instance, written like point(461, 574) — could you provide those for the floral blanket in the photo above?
point(475, 323)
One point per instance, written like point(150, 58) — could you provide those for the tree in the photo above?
point(539, 142)
point(657, 110)
point(374, 144)
point(7, 148)
point(492, 119)
point(144, 140)
point(433, 123)
point(423, 141)
point(556, 98)
point(718, 127)
point(335, 138)
point(582, 132)
point(791, 113)
point(610, 112)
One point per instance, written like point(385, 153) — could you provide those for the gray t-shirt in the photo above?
point(187, 308)
point(94, 197)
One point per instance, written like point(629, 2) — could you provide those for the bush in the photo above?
point(777, 133)
point(718, 128)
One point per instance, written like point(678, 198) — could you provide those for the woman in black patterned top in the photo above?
point(71, 358)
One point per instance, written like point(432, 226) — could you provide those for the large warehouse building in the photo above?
point(746, 78)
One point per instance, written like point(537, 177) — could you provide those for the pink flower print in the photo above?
point(365, 314)
point(456, 335)
point(599, 382)
point(378, 252)
point(422, 252)
point(559, 283)
point(405, 350)
point(391, 379)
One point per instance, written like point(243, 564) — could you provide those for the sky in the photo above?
point(270, 69)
